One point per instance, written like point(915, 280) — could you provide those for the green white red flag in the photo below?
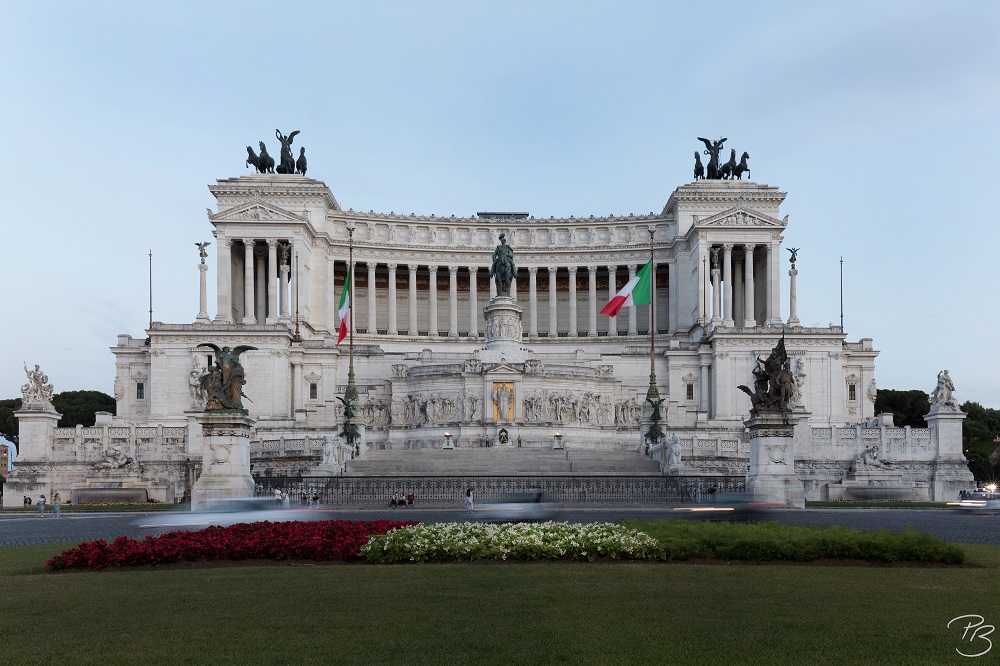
point(344, 309)
point(637, 291)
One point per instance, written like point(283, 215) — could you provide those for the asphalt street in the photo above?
point(19, 529)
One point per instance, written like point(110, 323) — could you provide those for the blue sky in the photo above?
point(879, 119)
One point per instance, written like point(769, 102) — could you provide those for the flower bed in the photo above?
point(516, 541)
point(321, 540)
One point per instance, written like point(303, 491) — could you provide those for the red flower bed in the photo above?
point(321, 540)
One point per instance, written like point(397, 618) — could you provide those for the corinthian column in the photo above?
point(248, 313)
point(612, 292)
point(793, 319)
point(553, 314)
point(413, 301)
point(592, 270)
point(632, 324)
point(223, 282)
point(372, 303)
point(533, 302)
point(272, 282)
point(473, 303)
point(392, 300)
point(727, 278)
point(432, 315)
point(749, 317)
point(453, 301)
point(572, 302)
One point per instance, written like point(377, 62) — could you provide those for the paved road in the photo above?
point(27, 529)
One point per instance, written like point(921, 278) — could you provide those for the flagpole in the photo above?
point(351, 393)
point(652, 394)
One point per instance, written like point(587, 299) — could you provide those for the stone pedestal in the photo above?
point(32, 473)
point(503, 332)
point(772, 459)
point(225, 467)
point(949, 470)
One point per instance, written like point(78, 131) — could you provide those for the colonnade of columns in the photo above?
point(261, 294)
point(743, 285)
point(549, 296)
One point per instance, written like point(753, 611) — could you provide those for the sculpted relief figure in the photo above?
point(287, 163)
point(114, 458)
point(503, 268)
point(223, 383)
point(37, 393)
point(943, 395)
point(673, 451)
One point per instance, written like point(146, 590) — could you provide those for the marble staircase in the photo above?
point(502, 462)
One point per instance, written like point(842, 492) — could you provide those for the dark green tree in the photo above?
point(8, 424)
point(907, 407)
point(79, 407)
point(980, 431)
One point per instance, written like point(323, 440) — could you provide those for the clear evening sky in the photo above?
point(879, 119)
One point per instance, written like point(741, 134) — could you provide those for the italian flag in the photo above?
point(636, 291)
point(344, 309)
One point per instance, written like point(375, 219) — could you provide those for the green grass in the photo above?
point(887, 504)
point(491, 613)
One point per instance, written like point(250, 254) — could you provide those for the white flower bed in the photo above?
point(519, 541)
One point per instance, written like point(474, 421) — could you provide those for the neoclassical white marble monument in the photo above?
point(437, 351)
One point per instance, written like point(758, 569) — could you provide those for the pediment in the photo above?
point(740, 217)
point(502, 367)
point(256, 210)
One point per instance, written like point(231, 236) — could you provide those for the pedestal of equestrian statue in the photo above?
point(772, 459)
point(225, 467)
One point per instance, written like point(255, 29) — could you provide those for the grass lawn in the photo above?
point(492, 613)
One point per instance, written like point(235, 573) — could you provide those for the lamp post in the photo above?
point(447, 441)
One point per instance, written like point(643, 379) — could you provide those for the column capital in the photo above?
point(453, 270)
point(271, 243)
point(413, 270)
point(370, 265)
point(228, 242)
point(248, 241)
point(728, 247)
point(632, 268)
point(532, 270)
point(592, 270)
point(572, 270)
point(392, 267)
point(749, 247)
point(432, 268)
point(612, 268)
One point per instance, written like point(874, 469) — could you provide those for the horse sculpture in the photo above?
point(727, 169)
point(742, 167)
point(300, 164)
point(265, 163)
point(252, 159)
point(699, 169)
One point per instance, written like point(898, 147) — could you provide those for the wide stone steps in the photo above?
point(501, 462)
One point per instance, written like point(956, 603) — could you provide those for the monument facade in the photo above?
point(455, 333)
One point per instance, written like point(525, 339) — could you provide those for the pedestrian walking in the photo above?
point(56, 505)
point(41, 504)
point(470, 496)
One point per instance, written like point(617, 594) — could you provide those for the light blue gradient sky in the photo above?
point(879, 119)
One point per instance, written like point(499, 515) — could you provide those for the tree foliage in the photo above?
point(79, 407)
point(8, 423)
point(980, 432)
point(907, 407)
point(76, 407)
